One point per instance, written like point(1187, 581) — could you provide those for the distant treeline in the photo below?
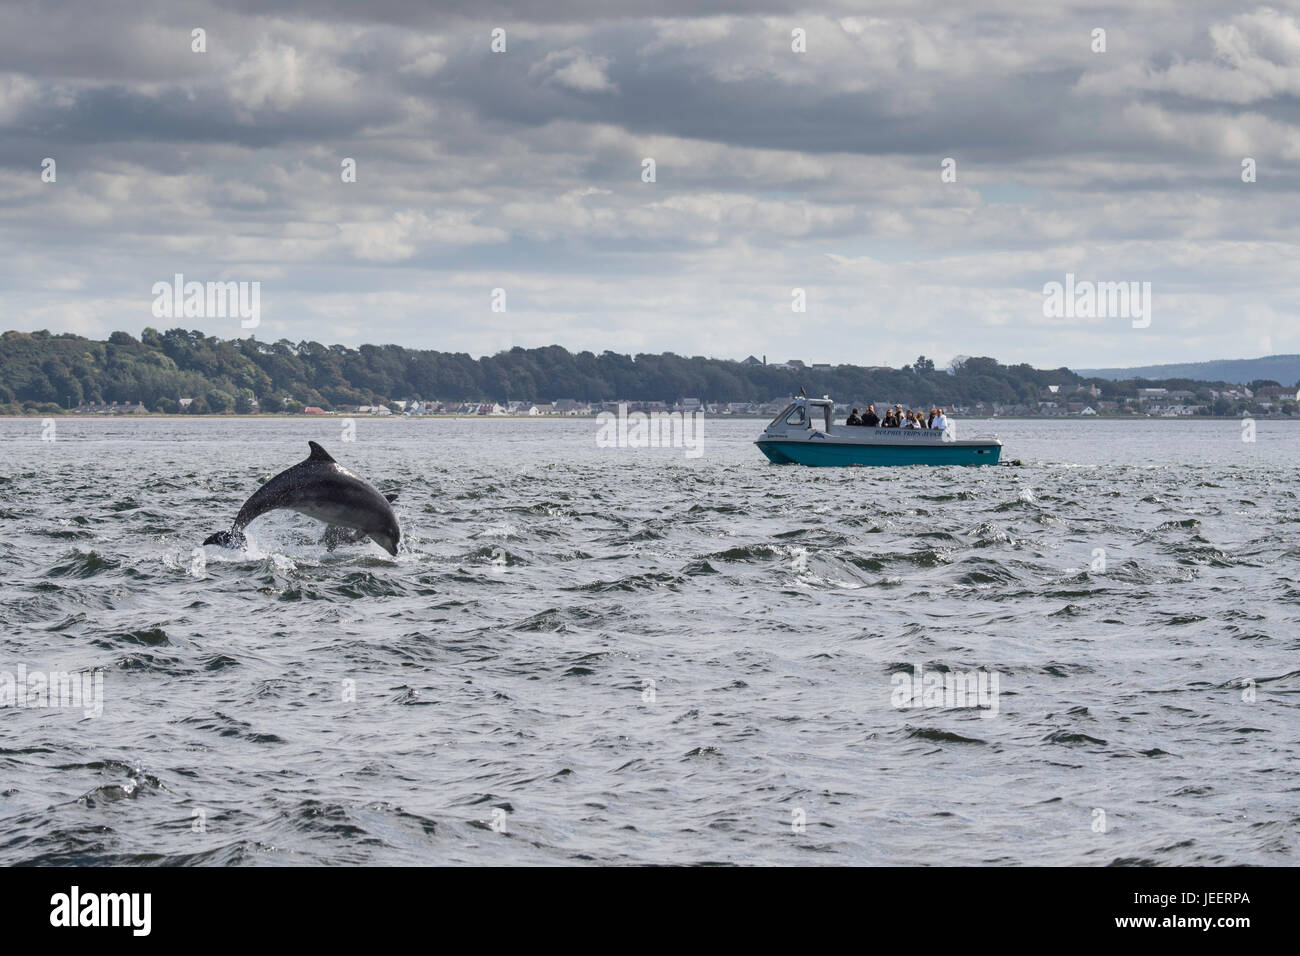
point(43, 369)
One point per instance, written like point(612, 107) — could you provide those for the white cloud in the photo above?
point(1255, 57)
point(578, 70)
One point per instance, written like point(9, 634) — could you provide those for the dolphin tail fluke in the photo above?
point(227, 539)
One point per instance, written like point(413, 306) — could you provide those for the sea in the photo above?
point(619, 655)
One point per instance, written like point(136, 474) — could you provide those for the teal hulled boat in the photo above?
point(803, 434)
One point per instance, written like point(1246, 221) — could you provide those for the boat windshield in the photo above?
point(792, 414)
point(797, 414)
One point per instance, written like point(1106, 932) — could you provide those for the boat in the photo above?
point(804, 434)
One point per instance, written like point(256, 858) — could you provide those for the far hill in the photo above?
point(1284, 369)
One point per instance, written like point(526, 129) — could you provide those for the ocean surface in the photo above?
point(617, 655)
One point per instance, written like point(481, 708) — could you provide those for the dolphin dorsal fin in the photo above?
point(318, 453)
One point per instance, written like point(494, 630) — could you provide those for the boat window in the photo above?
point(796, 417)
point(780, 417)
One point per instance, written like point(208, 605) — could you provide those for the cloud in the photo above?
point(577, 70)
point(1254, 57)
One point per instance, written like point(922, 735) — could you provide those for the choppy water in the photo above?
point(502, 662)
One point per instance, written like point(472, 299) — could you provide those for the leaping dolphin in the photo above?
point(323, 489)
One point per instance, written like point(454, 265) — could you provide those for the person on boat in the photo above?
point(888, 421)
point(911, 419)
point(853, 419)
point(940, 421)
point(929, 422)
point(869, 418)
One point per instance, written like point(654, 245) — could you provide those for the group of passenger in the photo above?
point(896, 418)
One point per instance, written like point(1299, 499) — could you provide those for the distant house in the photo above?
point(313, 410)
point(750, 360)
point(1275, 392)
point(125, 408)
point(185, 402)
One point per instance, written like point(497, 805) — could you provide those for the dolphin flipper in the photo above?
point(335, 535)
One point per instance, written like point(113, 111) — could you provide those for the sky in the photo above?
point(794, 147)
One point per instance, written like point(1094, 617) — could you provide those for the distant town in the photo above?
point(180, 372)
point(1056, 402)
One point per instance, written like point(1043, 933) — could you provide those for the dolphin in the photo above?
point(323, 489)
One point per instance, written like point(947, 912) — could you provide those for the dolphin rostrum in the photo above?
point(323, 489)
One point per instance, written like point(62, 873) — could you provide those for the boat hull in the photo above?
point(839, 454)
